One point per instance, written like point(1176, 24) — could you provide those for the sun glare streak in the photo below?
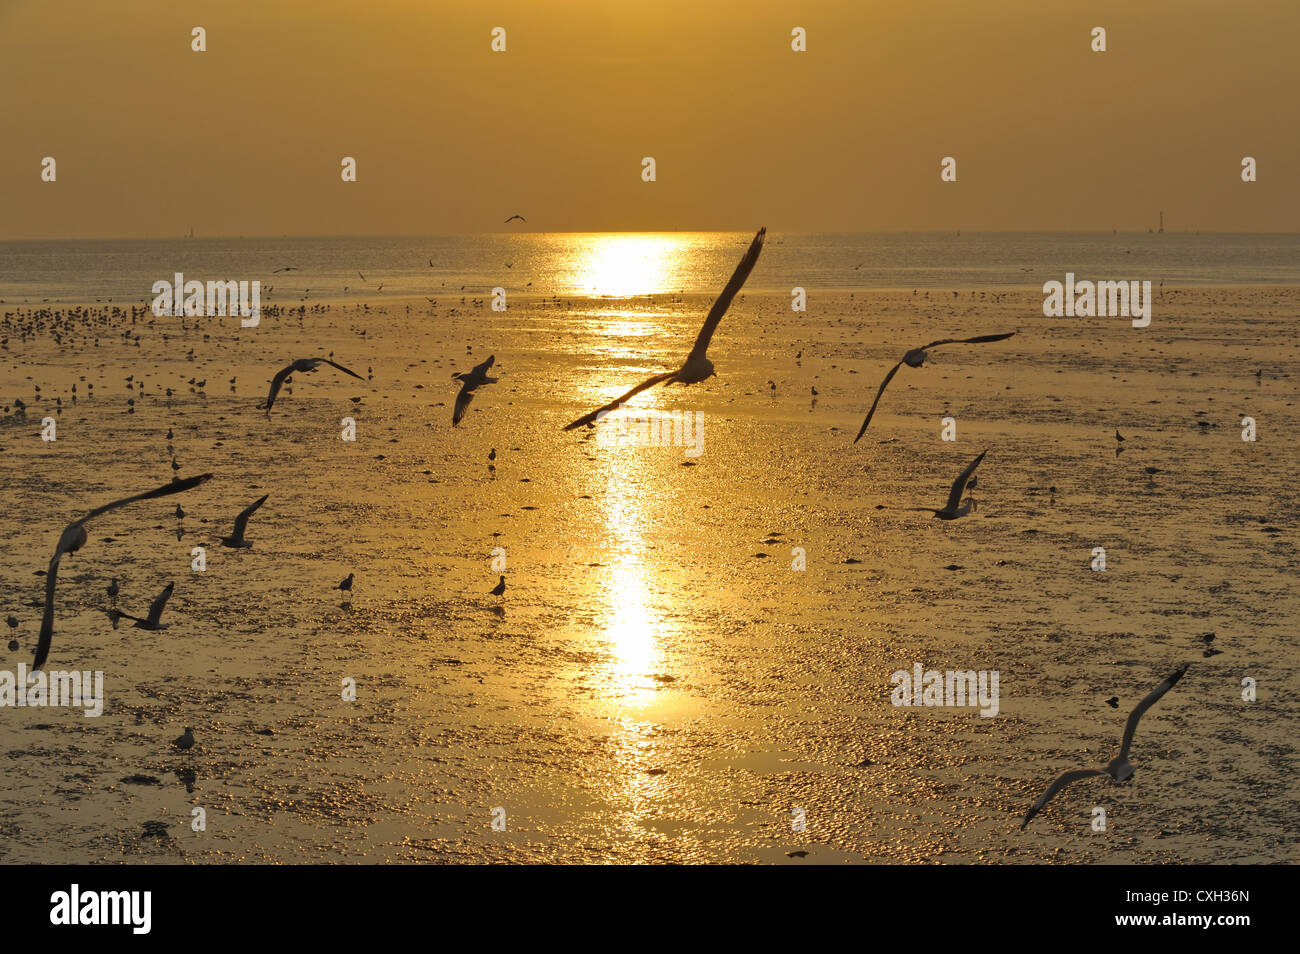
point(622, 266)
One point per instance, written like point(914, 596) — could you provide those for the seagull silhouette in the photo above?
point(513, 217)
point(155, 612)
point(951, 510)
point(1119, 768)
point(236, 540)
point(476, 377)
point(697, 367)
point(914, 359)
point(346, 584)
point(499, 588)
point(305, 365)
point(74, 538)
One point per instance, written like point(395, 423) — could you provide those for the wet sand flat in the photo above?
point(658, 683)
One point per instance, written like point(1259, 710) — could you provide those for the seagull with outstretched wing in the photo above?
point(697, 367)
point(74, 538)
point(155, 612)
point(304, 365)
point(476, 377)
point(516, 216)
point(954, 508)
point(236, 540)
point(1119, 768)
point(914, 359)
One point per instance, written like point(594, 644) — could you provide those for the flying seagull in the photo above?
point(476, 377)
point(304, 365)
point(236, 540)
point(953, 508)
point(696, 367)
point(914, 359)
point(287, 268)
point(1119, 768)
point(74, 538)
point(155, 612)
point(513, 217)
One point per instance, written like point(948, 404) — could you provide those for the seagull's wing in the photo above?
point(1130, 727)
point(462, 403)
point(47, 618)
point(482, 369)
point(156, 607)
point(242, 520)
point(959, 485)
point(51, 575)
point(277, 382)
point(979, 340)
point(1055, 787)
point(335, 364)
point(724, 300)
point(166, 490)
point(647, 383)
point(889, 377)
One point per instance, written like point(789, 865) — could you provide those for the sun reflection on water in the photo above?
point(621, 266)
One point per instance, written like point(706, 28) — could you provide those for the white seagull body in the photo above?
point(954, 508)
point(1119, 768)
point(74, 538)
point(697, 367)
point(476, 377)
point(914, 359)
point(303, 365)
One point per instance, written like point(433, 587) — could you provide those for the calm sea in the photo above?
point(631, 264)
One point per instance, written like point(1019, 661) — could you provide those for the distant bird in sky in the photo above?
point(914, 359)
point(363, 277)
point(74, 538)
point(346, 584)
point(237, 540)
point(287, 268)
point(303, 365)
point(1119, 768)
point(476, 377)
point(697, 367)
point(954, 508)
point(151, 622)
point(499, 588)
point(513, 217)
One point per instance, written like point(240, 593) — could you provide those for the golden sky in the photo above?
point(152, 139)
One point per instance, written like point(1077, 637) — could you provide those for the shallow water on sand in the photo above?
point(658, 683)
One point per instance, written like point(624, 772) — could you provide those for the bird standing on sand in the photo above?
point(236, 539)
point(74, 538)
point(184, 742)
point(1119, 768)
point(476, 377)
point(112, 590)
point(305, 366)
point(500, 588)
point(346, 584)
point(951, 510)
point(914, 359)
point(697, 367)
